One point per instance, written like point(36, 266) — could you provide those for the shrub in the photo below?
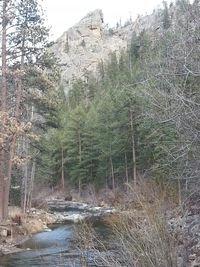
point(140, 237)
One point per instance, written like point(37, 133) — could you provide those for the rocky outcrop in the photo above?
point(82, 47)
point(76, 211)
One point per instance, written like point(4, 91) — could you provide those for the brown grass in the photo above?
point(14, 211)
point(28, 223)
point(141, 237)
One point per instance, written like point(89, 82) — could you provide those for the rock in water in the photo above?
point(68, 198)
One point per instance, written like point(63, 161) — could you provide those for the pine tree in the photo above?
point(74, 146)
point(21, 46)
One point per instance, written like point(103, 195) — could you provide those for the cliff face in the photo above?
point(82, 47)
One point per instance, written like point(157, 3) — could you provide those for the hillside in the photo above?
point(90, 41)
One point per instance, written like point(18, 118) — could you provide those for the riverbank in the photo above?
point(152, 215)
point(20, 226)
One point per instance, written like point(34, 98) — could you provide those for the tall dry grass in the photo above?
point(140, 234)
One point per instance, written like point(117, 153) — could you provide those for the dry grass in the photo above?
point(28, 223)
point(141, 237)
point(14, 211)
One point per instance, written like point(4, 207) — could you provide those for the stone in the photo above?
point(68, 198)
point(76, 211)
point(192, 257)
point(82, 47)
point(4, 233)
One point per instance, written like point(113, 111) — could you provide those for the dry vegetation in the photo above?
point(140, 234)
point(20, 224)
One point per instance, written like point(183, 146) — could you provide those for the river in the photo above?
point(53, 248)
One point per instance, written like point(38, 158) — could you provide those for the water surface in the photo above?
point(55, 248)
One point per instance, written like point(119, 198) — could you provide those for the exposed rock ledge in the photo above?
point(76, 211)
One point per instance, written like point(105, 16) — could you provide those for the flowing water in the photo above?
point(54, 248)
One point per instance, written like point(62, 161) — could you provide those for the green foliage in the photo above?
point(155, 83)
point(74, 144)
point(31, 91)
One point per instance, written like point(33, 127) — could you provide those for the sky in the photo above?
point(63, 14)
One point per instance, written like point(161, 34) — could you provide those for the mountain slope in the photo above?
point(82, 47)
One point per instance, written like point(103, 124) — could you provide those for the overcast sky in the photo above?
point(63, 14)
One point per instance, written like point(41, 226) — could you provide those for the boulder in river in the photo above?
point(68, 198)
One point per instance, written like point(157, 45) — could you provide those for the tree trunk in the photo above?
point(134, 174)
point(3, 104)
point(8, 158)
point(79, 188)
point(112, 174)
point(28, 178)
point(179, 192)
point(126, 170)
point(4, 59)
point(25, 187)
point(2, 189)
point(30, 182)
point(62, 170)
point(30, 190)
point(80, 160)
point(11, 146)
point(1, 203)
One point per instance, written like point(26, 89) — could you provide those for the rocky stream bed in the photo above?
point(21, 227)
point(44, 229)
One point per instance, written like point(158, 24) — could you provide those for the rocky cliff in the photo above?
point(82, 47)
